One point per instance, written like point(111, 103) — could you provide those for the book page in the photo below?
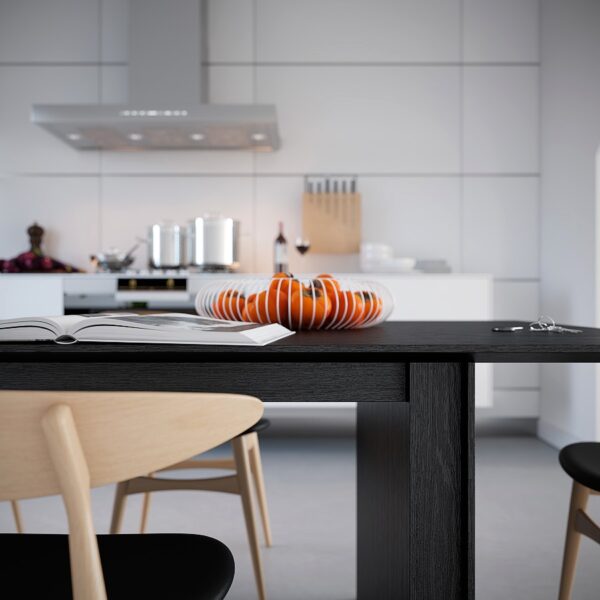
point(27, 327)
point(176, 328)
point(163, 322)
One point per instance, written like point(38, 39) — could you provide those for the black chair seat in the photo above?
point(260, 425)
point(582, 462)
point(173, 566)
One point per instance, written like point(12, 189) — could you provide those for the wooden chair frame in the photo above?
point(247, 464)
point(579, 523)
point(68, 442)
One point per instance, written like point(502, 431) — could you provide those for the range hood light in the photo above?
point(197, 137)
point(135, 137)
point(258, 137)
point(75, 137)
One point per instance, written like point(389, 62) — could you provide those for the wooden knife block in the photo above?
point(332, 222)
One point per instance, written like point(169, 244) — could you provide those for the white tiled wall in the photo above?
point(432, 103)
point(501, 31)
point(376, 119)
point(500, 119)
point(358, 31)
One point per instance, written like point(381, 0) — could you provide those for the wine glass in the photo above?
point(302, 245)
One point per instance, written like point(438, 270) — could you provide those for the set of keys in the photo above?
point(545, 324)
point(548, 324)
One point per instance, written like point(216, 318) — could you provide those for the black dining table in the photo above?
point(413, 383)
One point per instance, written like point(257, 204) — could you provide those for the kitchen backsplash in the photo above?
point(438, 116)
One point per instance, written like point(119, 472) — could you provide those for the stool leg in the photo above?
point(242, 462)
point(259, 483)
point(118, 507)
point(579, 499)
point(17, 515)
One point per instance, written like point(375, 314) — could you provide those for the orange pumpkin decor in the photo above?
point(284, 283)
point(327, 282)
point(309, 308)
point(372, 306)
point(347, 308)
point(230, 305)
point(321, 303)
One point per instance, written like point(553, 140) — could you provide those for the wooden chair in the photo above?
point(67, 442)
point(582, 462)
point(247, 466)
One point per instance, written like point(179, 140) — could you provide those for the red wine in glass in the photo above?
point(302, 245)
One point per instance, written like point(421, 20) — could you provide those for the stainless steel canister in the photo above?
point(213, 243)
point(166, 246)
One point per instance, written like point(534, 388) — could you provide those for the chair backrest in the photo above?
point(67, 442)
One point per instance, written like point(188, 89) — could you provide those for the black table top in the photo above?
point(413, 340)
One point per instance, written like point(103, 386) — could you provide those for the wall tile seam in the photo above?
point(275, 64)
point(258, 175)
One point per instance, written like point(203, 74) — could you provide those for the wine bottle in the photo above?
point(281, 253)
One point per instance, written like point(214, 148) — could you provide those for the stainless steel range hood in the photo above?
point(168, 91)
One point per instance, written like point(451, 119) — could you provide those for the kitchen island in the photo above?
point(414, 387)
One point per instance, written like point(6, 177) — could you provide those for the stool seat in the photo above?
point(181, 566)
point(260, 425)
point(582, 462)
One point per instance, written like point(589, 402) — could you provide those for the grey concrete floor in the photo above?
point(522, 499)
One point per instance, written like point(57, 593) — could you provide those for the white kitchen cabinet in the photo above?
point(30, 296)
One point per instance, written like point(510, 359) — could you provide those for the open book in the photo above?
point(166, 328)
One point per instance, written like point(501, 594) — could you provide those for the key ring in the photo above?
point(549, 324)
point(543, 324)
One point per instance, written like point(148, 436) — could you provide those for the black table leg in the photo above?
point(415, 498)
point(382, 446)
point(441, 397)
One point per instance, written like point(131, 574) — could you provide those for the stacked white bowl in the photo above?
point(379, 258)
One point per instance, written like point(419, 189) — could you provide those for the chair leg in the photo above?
point(118, 507)
point(579, 499)
point(242, 460)
point(17, 515)
point(259, 483)
point(145, 509)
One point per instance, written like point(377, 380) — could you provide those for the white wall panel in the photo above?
point(500, 226)
point(501, 119)
point(358, 30)
point(49, 31)
point(131, 204)
point(25, 147)
point(66, 207)
point(516, 300)
point(357, 119)
point(230, 30)
point(418, 217)
point(501, 30)
point(230, 84)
